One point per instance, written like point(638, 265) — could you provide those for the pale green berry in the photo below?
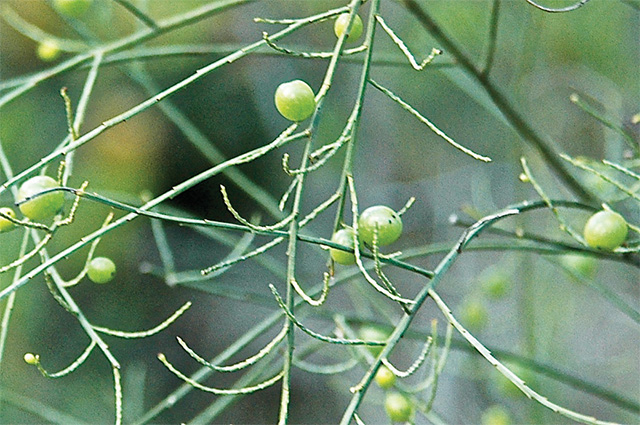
point(398, 407)
point(101, 270)
point(387, 222)
point(295, 100)
point(30, 358)
point(7, 225)
point(340, 26)
point(385, 378)
point(343, 237)
point(606, 230)
point(42, 207)
point(48, 50)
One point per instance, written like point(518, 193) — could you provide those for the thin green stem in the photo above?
point(165, 26)
point(516, 119)
point(493, 37)
point(159, 97)
point(354, 118)
point(142, 17)
point(570, 8)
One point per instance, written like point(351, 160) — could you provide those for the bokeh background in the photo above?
point(545, 315)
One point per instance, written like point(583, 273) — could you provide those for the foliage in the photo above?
point(159, 118)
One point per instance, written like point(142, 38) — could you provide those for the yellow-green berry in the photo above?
point(385, 378)
point(340, 26)
point(580, 264)
point(30, 358)
point(372, 333)
point(496, 415)
point(48, 50)
point(7, 225)
point(101, 270)
point(343, 237)
point(398, 407)
point(44, 206)
point(606, 230)
point(383, 220)
point(295, 100)
point(474, 315)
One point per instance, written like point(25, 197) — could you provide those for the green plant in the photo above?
point(72, 8)
point(382, 220)
point(160, 106)
point(606, 230)
point(341, 23)
point(343, 237)
point(101, 270)
point(398, 407)
point(295, 100)
point(41, 207)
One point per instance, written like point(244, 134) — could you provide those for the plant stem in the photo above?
point(516, 120)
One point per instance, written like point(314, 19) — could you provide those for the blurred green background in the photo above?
point(545, 315)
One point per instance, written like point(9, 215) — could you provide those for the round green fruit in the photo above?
point(398, 407)
point(30, 358)
point(580, 264)
point(385, 378)
point(340, 26)
point(606, 230)
point(343, 237)
point(44, 206)
point(474, 315)
point(373, 333)
point(295, 100)
point(6, 224)
point(101, 270)
point(387, 222)
point(496, 415)
point(48, 50)
point(72, 8)
point(495, 283)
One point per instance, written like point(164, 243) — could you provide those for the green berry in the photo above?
point(101, 270)
point(343, 237)
point(474, 315)
point(48, 50)
point(385, 378)
point(580, 264)
point(606, 230)
point(5, 224)
point(495, 283)
point(44, 206)
point(340, 26)
point(295, 100)
point(373, 333)
point(398, 407)
point(30, 358)
point(386, 220)
point(496, 415)
point(72, 8)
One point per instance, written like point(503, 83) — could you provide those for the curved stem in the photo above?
point(517, 121)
